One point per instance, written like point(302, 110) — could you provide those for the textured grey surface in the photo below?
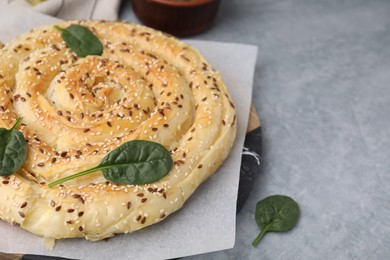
point(322, 89)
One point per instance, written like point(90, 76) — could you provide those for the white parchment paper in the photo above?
point(207, 220)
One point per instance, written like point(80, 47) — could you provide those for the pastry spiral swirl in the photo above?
point(145, 86)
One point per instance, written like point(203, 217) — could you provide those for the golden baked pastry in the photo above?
point(145, 86)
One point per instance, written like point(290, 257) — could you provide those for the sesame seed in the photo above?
point(15, 224)
point(185, 58)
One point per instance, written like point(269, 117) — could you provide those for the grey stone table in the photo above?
point(322, 90)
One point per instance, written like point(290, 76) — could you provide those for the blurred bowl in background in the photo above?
point(177, 17)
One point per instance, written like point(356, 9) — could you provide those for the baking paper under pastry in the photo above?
point(207, 221)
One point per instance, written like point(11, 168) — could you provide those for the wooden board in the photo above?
point(251, 157)
point(254, 120)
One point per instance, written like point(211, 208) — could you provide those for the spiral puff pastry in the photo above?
point(145, 86)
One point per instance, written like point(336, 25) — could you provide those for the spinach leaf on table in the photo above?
point(276, 213)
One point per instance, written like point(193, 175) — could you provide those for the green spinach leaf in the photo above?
point(134, 162)
point(276, 213)
point(13, 150)
point(81, 40)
